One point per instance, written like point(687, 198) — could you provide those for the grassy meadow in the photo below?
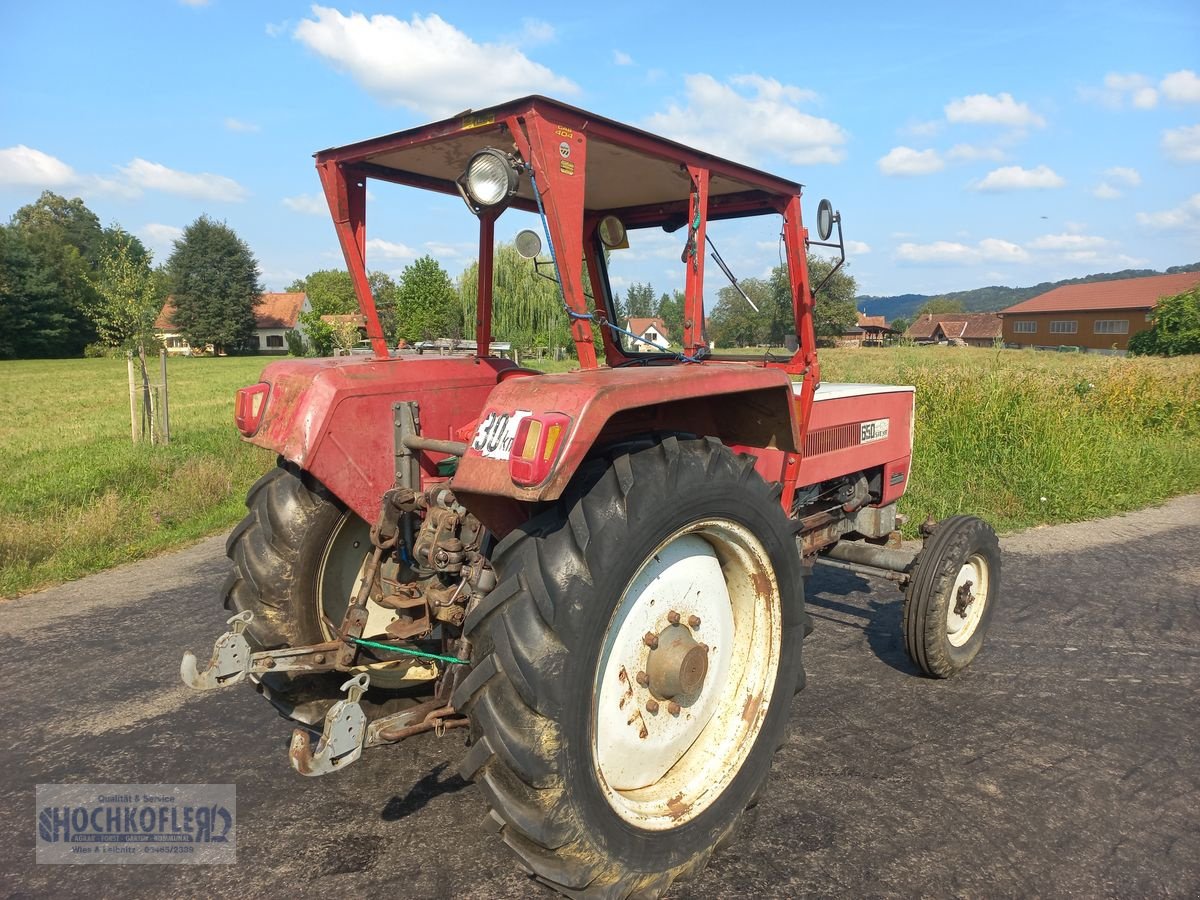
point(1019, 437)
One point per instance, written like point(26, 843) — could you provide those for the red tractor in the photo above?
point(600, 573)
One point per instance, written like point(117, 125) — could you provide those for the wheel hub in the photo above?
point(963, 599)
point(677, 665)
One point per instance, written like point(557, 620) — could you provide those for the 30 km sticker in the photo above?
point(494, 436)
point(873, 431)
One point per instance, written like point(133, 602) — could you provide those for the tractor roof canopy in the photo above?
point(574, 168)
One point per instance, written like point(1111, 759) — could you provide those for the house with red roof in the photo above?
point(1099, 316)
point(649, 329)
point(956, 329)
point(868, 331)
point(274, 317)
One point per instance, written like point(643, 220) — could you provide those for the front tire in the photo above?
point(603, 784)
point(949, 600)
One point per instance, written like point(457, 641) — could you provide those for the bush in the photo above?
point(295, 343)
point(1175, 328)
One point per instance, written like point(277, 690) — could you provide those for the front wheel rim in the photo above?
point(968, 598)
point(666, 747)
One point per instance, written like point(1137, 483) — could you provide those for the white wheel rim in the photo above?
point(970, 592)
point(659, 770)
point(338, 578)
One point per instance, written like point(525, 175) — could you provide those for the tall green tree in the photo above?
point(670, 310)
point(527, 309)
point(127, 297)
point(65, 239)
point(32, 320)
point(215, 284)
point(640, 301)
point(331, 293)
point(834, 310)
point(427, 305)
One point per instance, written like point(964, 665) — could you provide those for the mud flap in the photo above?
point(230, 661)
point(341, 740)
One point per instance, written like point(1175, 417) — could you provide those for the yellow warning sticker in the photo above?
point(566, 167)
point(477, 121)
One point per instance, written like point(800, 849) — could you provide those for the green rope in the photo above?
point(453, 660)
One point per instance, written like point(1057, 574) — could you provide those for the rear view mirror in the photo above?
point(528, 244)
point(825, 219)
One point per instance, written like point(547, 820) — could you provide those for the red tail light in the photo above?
point(248, 407)
point(536, 446)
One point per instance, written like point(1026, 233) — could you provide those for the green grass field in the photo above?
point(1022, 438)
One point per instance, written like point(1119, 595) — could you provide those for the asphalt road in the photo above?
point(1065, 762)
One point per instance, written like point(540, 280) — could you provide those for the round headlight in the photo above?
point(490, 178)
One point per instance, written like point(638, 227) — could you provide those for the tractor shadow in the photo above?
point(847, 600)
point(422, 792)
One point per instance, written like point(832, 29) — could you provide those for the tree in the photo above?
point(1174, 329)
point(127, 298)
point(639, 301)
point(32, 320)
point(937, 305)
point(670, 310)
point(64, 238)
point(527, 309)
point(900, 325)
point(427, 305)
point(215, 286)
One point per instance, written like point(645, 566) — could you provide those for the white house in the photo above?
point(652, 330)
point(275, 315)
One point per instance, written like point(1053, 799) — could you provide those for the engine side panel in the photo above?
point(859, 427)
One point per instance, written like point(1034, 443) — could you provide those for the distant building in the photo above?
point(868, 331)
point(274, 317)
point(957, 329)
point(1099, 316)
point(652, 330)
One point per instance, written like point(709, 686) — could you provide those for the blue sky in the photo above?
point(965, 144)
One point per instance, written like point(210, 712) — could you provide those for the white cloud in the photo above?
point(425, 64)
point(907, 161)
point(986, 109)
point(1121, 89)
point(621, 58)
point(275, 29)
point(1015, 178)
point(1125, 175)
point(1181, 87)
point(26, 166)
point(955, 253)
point(973, 152)
point(1105, 191)
point(440, 250)
point(1182, 144)
point(309, 204)
point(1074, 242)
point(238, 125)
point(160, 238)
point(390, 250)
point(720, 119)
point(922, 129)
point(143, 174)
point(194, 2)
point(1184, 216)
point(858, 248)
point(536, 31)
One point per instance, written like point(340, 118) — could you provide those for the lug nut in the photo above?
point(694, 621)
point(650, 640)
point(269, 663)
point(673, 708)
point(319, 659)
point(673, 617)
point(652, 706)
point(643, 679)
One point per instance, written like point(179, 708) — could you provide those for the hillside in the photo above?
point(994, 297)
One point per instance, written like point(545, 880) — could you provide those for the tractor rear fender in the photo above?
point(743, 406)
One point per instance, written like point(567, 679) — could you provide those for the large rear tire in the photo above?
point(609, 770)
point(296, 557)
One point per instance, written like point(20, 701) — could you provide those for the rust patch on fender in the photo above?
point(750, 710)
